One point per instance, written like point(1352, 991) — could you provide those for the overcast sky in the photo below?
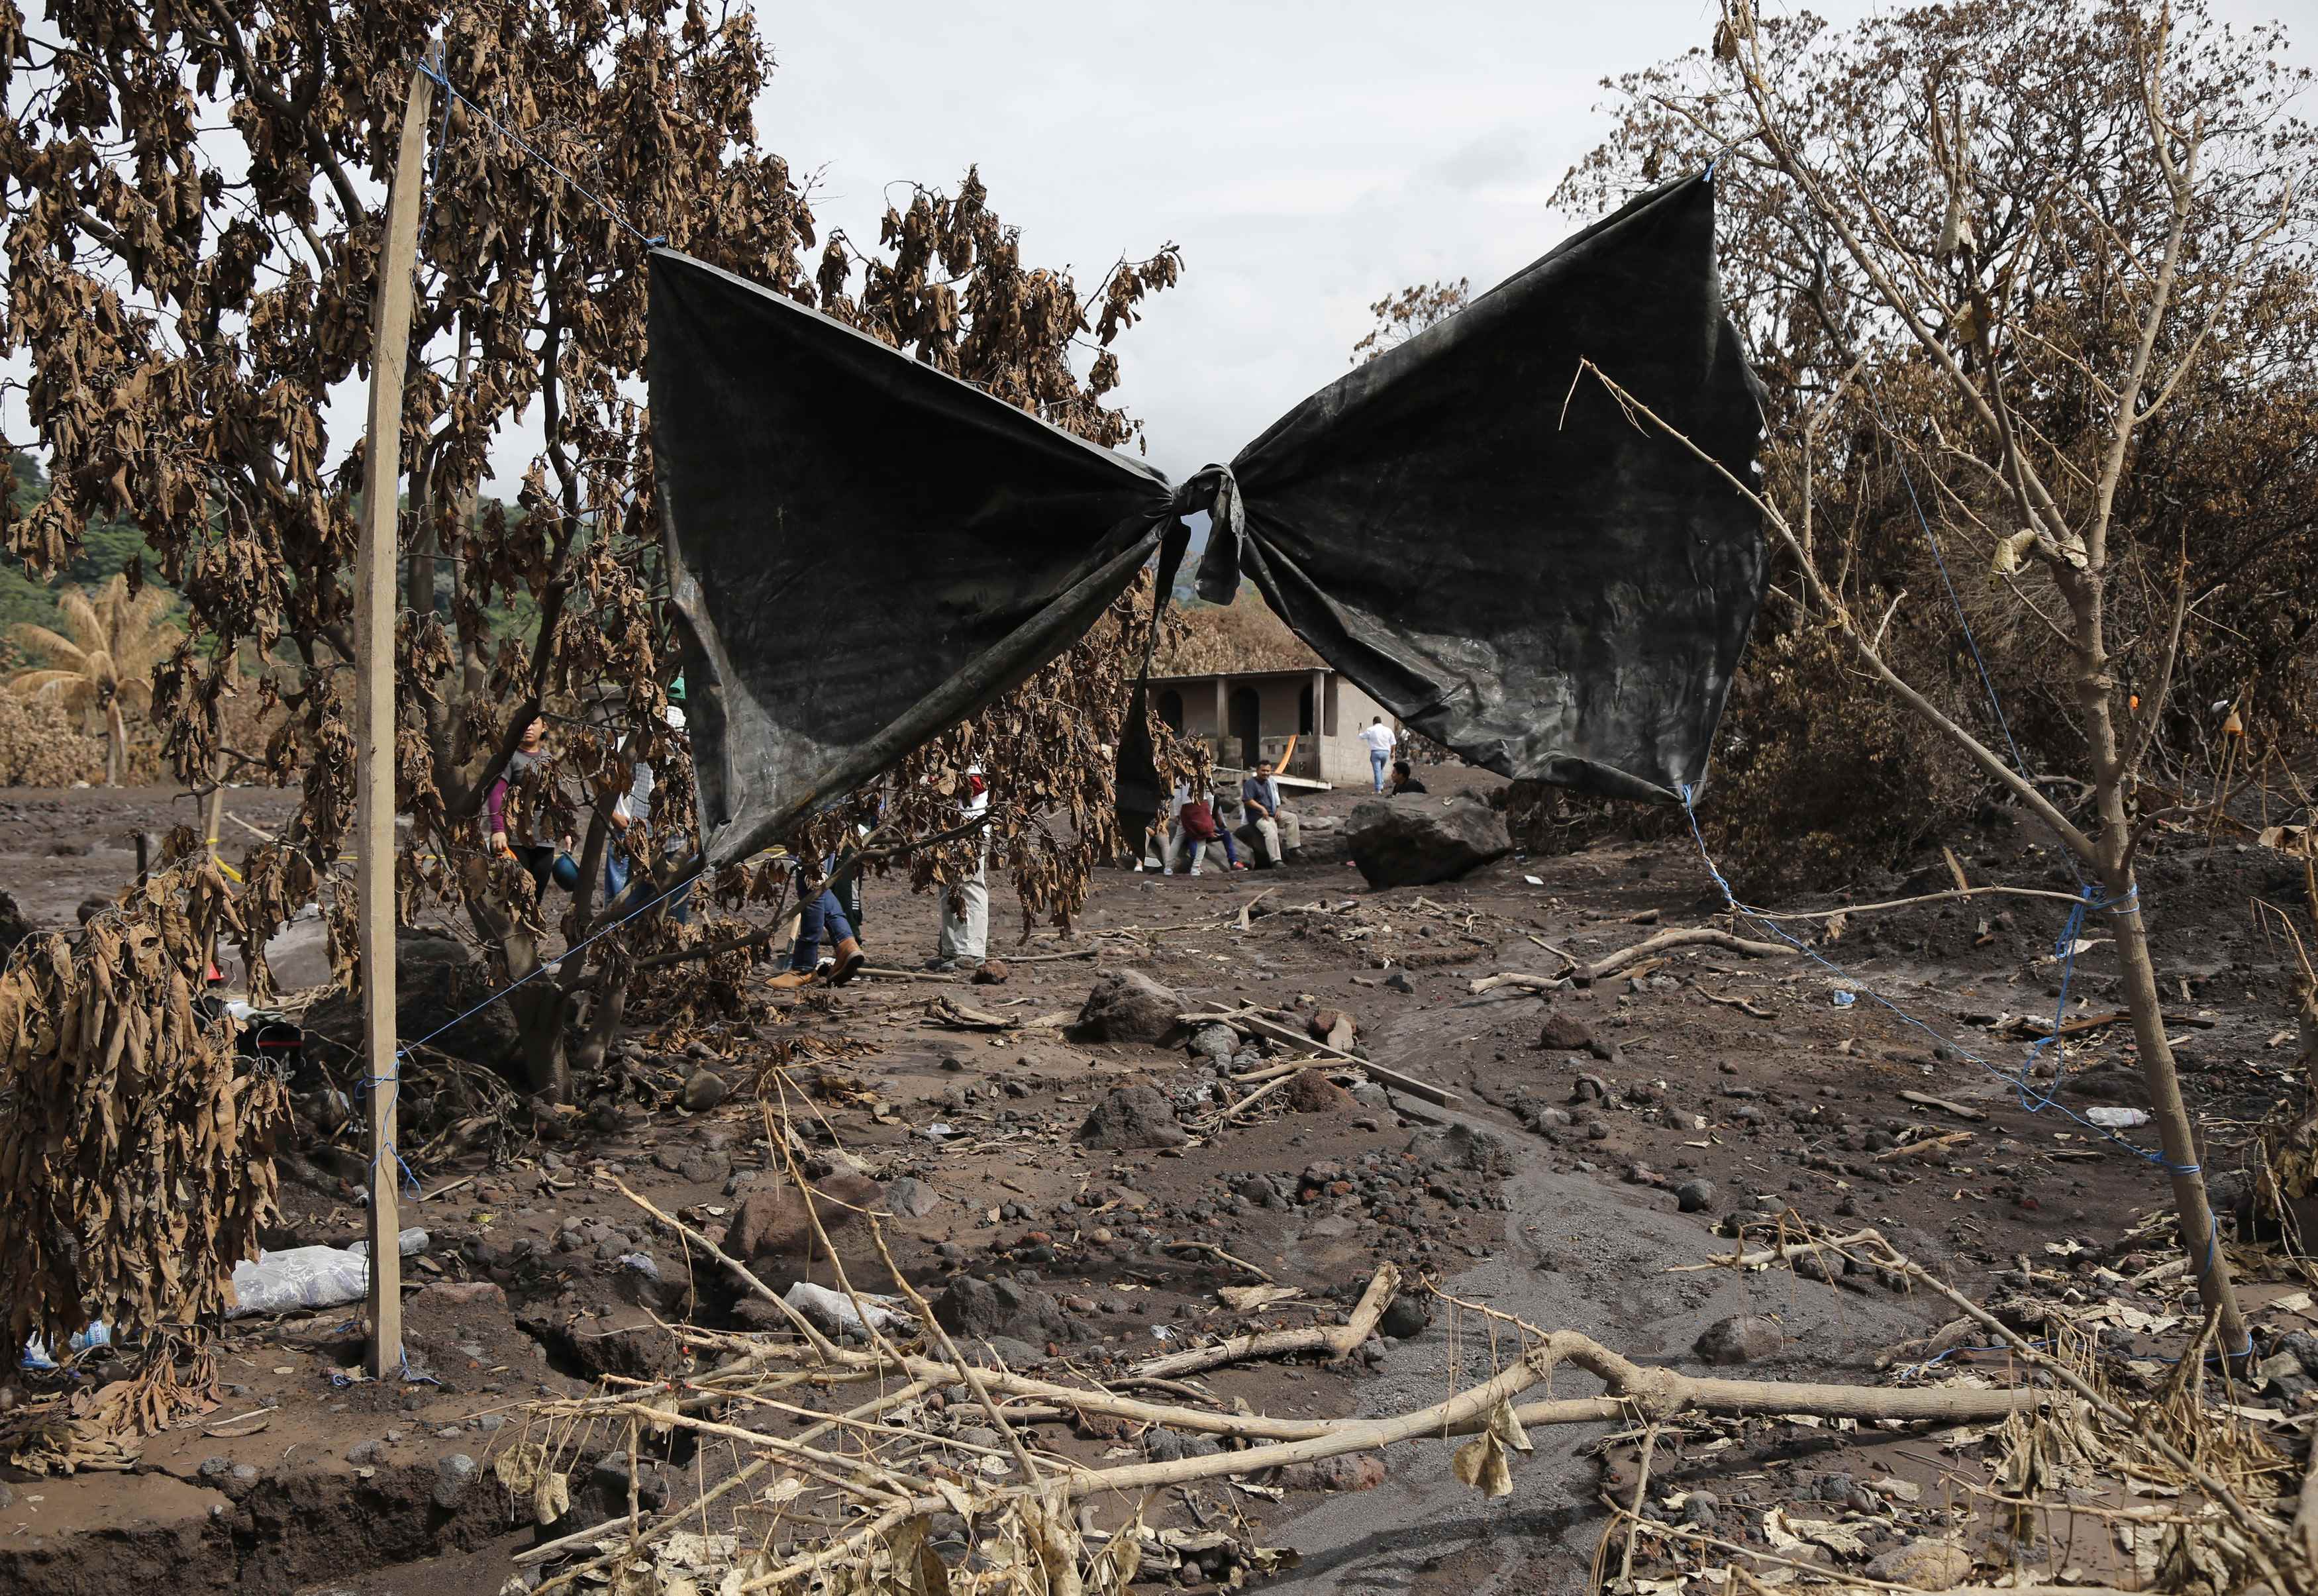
point(1309, 158)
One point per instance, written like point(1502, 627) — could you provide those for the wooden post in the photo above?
point(374, 600)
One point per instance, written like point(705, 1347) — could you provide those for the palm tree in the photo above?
point(117, 638)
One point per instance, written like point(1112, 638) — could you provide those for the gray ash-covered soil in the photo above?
point(1742, 1073)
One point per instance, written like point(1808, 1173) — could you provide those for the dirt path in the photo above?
point(1744, 1074)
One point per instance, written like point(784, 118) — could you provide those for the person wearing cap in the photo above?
point(966, 932)
point(1271, 829)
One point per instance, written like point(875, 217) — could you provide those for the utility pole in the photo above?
point(374, 739)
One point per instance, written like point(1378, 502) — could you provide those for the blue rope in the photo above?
point(2089, 902)
point(403, 1051)
point(508, 133)
point(434, 166)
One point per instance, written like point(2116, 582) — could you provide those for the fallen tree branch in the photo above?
point(1929, 1144)
point(1850, 909)
point(1253, 1020)
point(1684, 936)
point(1337, 1340)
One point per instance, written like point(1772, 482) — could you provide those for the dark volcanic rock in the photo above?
point(1564, 1032)
point(772, 1233)
point(435, 978)
point(986, 1308)
point(1311, 1092)
point(1413, 840)
point(1462, 1147)
point(14, 926)
point(1133, 1117)
point(704, 1090)
point(1743, 1338)
point(1128, 1005)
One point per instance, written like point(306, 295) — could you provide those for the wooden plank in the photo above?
point(375, 597)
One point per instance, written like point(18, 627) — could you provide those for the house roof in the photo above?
point(1294, 673)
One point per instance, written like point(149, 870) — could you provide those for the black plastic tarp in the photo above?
point(866, 551)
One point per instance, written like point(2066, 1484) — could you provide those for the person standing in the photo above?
point(965, 928)
point(633, 809)
point(1379, 739)
point(1271, 829)
point(819, 915)
point(537, 858)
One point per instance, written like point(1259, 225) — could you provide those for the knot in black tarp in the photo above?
point(864, 550)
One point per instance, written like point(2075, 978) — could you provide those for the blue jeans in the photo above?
point(618, 872)
point(820, 914)
point(1378, 761)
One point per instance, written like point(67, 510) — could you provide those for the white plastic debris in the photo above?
point(2116, 1119)
point(36, 1351)
point(411, 1244)
point(832, 1311)
point(300, 1279)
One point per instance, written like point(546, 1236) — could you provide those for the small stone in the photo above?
point(1742, 1337)
point(1404, 1317)
point(1694, 1197)
point(1398, 980)
point(912, 1197)
point(362, 1455)
point(990, 972)
point(1311, 1092)
point(1216, 1042)
point(703, 1091)
point(453, 1475)
point(1347, 1471)
point(1131, 1116)
point(1927, 1564)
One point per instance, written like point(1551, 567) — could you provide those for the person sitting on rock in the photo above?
point(1270, 831)
point(1196, 832)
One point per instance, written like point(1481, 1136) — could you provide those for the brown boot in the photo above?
point(790, 980)
point(849, 960)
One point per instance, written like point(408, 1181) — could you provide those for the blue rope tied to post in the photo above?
point(2089, 904)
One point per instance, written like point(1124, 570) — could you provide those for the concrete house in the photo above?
point(1246, 715)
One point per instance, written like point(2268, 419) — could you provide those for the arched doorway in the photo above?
point(1246, 713)
point(1171, 711)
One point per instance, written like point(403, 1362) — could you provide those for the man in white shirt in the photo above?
point(966, 935)
point(1379, 739)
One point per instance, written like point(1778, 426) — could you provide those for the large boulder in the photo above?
point(298, 956)
point(1128, 1005)
point(14, 924)
point(1411, 840)
point(436, 977)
